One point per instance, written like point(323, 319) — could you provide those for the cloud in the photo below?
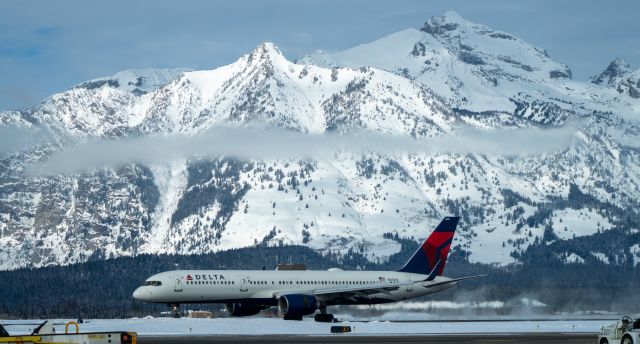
point(14, 139)
point(267, 144)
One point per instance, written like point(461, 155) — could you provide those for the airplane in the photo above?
point(297, 293)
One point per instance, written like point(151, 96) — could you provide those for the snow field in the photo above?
point(276, 326)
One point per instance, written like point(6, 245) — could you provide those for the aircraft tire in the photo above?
point(324, 318)
point(293, 317)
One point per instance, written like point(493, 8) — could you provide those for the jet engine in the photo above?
point(243, 309)
point(294, 306)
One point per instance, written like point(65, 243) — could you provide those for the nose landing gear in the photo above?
point(176, 309)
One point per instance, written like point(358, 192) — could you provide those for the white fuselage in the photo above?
point(222, 286)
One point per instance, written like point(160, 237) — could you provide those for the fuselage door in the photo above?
point(177, 286)
point(244, 284)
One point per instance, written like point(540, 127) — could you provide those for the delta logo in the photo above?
point(205, 277)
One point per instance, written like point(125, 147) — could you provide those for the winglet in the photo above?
point(434, 271)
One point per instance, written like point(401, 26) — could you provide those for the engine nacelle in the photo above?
point(243, 309)
point(297, 304)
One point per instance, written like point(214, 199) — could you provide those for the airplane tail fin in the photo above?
point(431, 256)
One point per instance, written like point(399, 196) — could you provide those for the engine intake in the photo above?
point(243, 309)
point(297, 305)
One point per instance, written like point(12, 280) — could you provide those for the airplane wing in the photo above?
point(364, 291)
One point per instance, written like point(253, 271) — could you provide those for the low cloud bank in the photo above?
point(265, 144)
point(14, 139)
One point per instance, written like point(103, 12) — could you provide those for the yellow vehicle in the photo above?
point(46, 334)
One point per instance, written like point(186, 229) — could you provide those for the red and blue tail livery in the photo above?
point(431, 257)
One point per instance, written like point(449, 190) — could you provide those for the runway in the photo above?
point(502, 338)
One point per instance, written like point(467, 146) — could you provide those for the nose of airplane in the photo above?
point(138, 294)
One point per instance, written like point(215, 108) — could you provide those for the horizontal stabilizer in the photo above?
point(450, 281)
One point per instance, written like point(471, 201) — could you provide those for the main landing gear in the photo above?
point(323, 316)
point(176, 309)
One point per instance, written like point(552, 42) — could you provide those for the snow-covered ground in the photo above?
point(257, 326)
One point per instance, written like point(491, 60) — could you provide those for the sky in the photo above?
point(48, 46)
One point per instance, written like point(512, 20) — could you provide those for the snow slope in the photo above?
point(415, 83)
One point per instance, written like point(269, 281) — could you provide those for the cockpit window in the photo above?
point(153, 283)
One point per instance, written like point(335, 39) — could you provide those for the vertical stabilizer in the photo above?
point(431, 256)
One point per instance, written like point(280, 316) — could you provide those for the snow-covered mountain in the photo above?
point(478, 69)
point(621, 77)
point(418, 83)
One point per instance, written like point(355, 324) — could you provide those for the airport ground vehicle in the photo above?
point(624, 331)
point(45, 333)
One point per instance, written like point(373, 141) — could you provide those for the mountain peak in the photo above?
point(266, 51)
point(616, 69)
point(449, 21)
point(453, 17)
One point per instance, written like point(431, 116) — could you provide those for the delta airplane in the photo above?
point(299, 292)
